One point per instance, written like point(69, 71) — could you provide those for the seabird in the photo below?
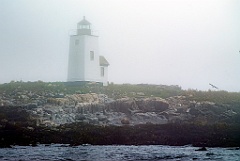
point(213, 86)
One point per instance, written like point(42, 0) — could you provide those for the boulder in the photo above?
point(102, 118)
point(129, 105)
point(125, 121)
point(80, 117)
point(148, 117)
point(154, 104)
point(123, 105)
point(93, 120)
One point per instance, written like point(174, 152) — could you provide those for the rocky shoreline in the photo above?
point(25, 134)
point(98, 109)
point(45, 117)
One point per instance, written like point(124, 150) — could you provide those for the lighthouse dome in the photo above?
point(84, 22)
point(84, 27)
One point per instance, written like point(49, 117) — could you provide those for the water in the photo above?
point(117, 153)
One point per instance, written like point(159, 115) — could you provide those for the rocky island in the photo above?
point(56, 112)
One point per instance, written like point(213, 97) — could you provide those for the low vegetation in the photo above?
point(120, 90)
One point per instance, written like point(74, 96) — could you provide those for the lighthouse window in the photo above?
point(84, 27)
point(76, 42)
point(102, 71)
point(91, 55)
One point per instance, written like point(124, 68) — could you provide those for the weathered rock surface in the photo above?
point(50, 109)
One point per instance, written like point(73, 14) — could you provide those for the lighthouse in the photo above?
point(85, 63)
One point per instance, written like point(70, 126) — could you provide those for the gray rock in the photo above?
point(80, 117)
point(32, 106)
point(102, 118)
point(148, 117)
point(54, 109)
point(93, 120)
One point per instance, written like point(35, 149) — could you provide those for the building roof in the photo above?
point(84, 22)
point(103, 61)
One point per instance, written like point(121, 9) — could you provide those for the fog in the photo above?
point(189, 43)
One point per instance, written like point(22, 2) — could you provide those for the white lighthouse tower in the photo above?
point(84, 63)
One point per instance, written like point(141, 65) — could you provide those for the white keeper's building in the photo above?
point(84, 62)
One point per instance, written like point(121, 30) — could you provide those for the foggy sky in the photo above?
point(189, 43)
